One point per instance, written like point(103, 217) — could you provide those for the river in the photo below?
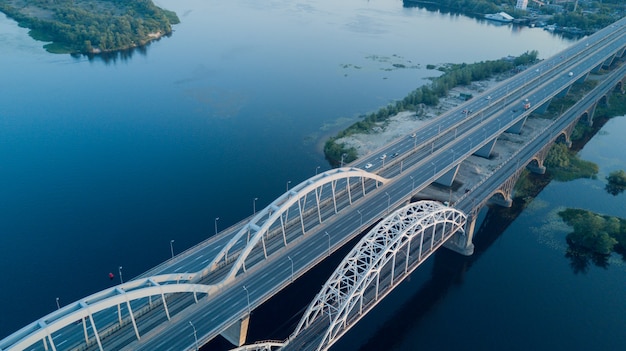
point(104, 162)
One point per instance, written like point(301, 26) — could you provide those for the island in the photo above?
point(91, 26)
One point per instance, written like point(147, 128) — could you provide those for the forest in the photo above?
point(91, 26)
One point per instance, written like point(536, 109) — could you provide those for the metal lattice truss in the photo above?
point(131, 300)
point(380, 261)
point(335, 189)
point(293, 214)
point(261, 346)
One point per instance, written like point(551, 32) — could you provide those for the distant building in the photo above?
point(521, 4)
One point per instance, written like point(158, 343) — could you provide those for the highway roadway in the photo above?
point(436, 148)
point(311, 337)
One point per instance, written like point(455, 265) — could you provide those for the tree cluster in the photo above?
point(89, 26)
point(616, 182)
point(598, 234)
point(564, 164)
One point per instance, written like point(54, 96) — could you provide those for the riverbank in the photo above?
point(403, 123)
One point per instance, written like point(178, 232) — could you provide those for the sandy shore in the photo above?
point(474, 168)
point(404, 123)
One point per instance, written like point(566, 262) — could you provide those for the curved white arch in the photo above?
point(261, 346)
point(274, 211)
point(121, 294)
point(344, 290)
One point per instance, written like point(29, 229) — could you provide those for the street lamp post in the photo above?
point(195, 335)
point(360, 214)
point(120, 271)
point(316, 169)
point(289, 258)
point(248, 298)
point(216, 219)
point(413, 183)
point(388, 201)
point(434, 169)
point(287, 186)
point(342, 156)
point(328, 235)
point(254, 205)
point(172, 247)
point(58, 306)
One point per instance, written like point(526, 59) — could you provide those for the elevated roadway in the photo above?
point(216, 284)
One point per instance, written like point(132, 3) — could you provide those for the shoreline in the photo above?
point(405, 122)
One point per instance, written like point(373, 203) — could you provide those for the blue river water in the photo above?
point(104, 162)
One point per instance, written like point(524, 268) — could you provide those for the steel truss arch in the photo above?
point(261, 346)
point(360, 272)
point(264, 219)
point(84, 309)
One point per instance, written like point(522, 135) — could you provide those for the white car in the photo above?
point(383, 156)
point(369, 165)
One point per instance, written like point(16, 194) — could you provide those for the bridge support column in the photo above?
point(517, 127)
point(448, 178)
point(536, 167)
point(486, 150)
point(544, 107)
point(504, 201)
point(236, 334)
point(583, 78)
point(596, 69)
point(563, 92)
point(590, 113)
point(462, 242)
point(607, 63)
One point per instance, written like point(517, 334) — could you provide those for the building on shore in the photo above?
point(500, 17)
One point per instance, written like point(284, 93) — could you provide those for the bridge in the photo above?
point(211, 288)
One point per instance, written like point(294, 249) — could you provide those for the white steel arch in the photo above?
point(264, 219)
point(261, 346)
point(84, 309)
point(342, 300)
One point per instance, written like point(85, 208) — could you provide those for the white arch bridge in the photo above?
point(116, 317)
point(381, 260)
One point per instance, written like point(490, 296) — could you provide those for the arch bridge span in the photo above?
point(313, 201)
point(132, 299)
point(381, 260)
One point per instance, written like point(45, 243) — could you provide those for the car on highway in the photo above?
point(413, 135)
point(383, 156)
point(571, 74)
point(395, 154)
point(368, 166)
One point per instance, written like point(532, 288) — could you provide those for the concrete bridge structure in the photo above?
point(211, 288)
